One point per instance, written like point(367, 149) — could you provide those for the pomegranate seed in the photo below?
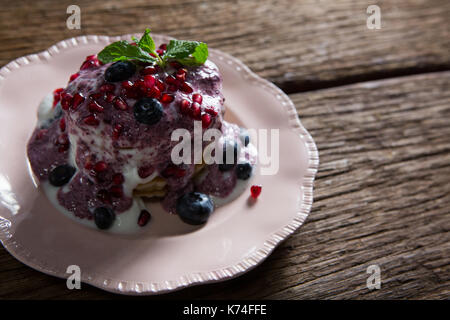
point(160, 52)
point(109, 97)
point(41, 133)
point(131, 93)
point(118, 179)
point(163, 46)
point(149, 81)
point(185, 106)
point(118, 127)
point(104, 196)
point(120, 104)
point(92, 57)
point(127, 84)
point(73, 77)
point(148, 70)
point(117, 130)
point(65, 104)
point(255, 191)
point(140, 84)
point(175, 64)
point(154, 93)
point(174, 171)
point(86, 64)
point(77, 100)
point(133, 44)
point(171, 80)
point(66, 100)
point(63, 148)
point(95, 107)
point(96, 96)
point(186, 88)
point(100, 166)
point(211, 111)
point(167, 98)
point(91, 120)
point(62, 124)
point(180, 173)
point(172, 88)
point(196, 111)
point(63, 139)
point(88, 165)
point(116, 191)
point(169, 171)
point(58, 91)
point(206, 120)
point(144, 218)
point(57, 96)
point(161, 86)
point(181, 75)
point(89, 64)
point(145, 172)
point(107, 87)
point(153, 55)
point(197, 98)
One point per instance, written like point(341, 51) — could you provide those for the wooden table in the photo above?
point(377, 103)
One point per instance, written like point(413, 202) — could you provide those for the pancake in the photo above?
point(157, 188)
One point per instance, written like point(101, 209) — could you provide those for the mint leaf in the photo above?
point(191, 53)
point(147, 42)
point(198, 57)
point(186, 52)
point(180, 49)
point(122, 50)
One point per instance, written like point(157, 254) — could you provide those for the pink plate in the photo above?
point(170, 255)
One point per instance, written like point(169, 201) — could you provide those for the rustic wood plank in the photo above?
point(299, 45)
point(382, 196)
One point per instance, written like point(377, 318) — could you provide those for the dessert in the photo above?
point(106, 140)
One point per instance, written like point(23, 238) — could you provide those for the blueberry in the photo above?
point(243, 171)
point(104, 217)
point(148, 110)
point(194, 208)
point(60, 175)
point(230, 148)
point(119, 71)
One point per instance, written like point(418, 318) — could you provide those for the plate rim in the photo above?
point(246, 264)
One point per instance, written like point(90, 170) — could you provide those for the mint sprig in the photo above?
point(190, 53)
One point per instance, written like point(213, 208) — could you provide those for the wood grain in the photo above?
point(299, 45)
point(382, 196)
